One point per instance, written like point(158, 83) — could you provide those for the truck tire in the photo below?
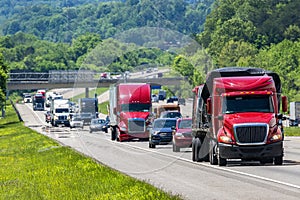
point(113, 133)
point(278, 160)
point(221, 161)
point(213, 160)
point(197, 150)
point(193, 151)
point(204, 152)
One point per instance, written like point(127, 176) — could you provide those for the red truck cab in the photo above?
point(130, 105)
point(240, 108)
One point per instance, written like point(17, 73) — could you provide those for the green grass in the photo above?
point(103, 107)
point(32, 166)
point(292, 131)
point(92, 93)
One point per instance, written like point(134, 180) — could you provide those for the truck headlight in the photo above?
point(225, 139)
point(276, 137)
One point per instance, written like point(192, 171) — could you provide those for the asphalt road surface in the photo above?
point(174, 171)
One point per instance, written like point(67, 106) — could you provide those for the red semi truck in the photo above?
point(129, 111)
point(236, 115)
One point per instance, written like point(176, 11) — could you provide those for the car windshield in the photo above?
point(262, 103)
point(164, 123)
point(185, 124)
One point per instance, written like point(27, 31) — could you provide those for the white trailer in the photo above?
point(294, 113)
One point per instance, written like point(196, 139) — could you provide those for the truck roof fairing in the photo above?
point(235, 72)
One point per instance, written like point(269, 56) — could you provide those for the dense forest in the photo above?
point(262, 34)
point(58, 22)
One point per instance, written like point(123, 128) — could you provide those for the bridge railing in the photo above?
point(53, 76)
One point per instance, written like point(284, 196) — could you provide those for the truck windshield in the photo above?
point(247, 104)
point(135, 107)
point(62, 110)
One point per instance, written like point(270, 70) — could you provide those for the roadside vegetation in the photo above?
point(36, 167)
point(292, 131)
point(92, 93)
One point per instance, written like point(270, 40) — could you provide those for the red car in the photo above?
point(182, 135)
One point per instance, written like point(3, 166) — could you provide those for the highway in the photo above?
point(175, 172)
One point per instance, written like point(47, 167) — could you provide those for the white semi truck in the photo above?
point(60, 112)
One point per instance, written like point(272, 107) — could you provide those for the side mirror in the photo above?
point(220, 117)
point(284, 103)
point(208, 106)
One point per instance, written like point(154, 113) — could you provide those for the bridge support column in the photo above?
point(86, 92)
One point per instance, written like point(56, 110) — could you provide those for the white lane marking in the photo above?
point(216, 167)
point(42, 121)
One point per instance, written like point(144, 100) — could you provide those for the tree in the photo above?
point(236, 53)
point(3, 78)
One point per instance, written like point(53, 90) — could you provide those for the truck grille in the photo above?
point(62, 117)
point(251, 133)
point(136, 125)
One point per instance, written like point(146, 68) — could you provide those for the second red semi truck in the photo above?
point(236, 115)
point(129, 111)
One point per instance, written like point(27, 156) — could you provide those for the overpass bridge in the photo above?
point(80, 79)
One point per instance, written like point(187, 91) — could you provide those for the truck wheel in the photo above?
point(205, 149)
point(197, 150)
point(193, 151)
point(176, 148)
point(221, 161)
point(212, 154)
point(278, 160)
point(113, 133)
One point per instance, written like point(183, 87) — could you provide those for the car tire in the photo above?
point(152, 146)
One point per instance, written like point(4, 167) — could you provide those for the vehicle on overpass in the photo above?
point(236, 115)
point(130, 111)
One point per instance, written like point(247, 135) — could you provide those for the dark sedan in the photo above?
point(98, 125)
point(161, 131)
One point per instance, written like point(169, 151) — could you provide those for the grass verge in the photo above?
point(292, 131)
point(92, 93)
point(32, 166)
